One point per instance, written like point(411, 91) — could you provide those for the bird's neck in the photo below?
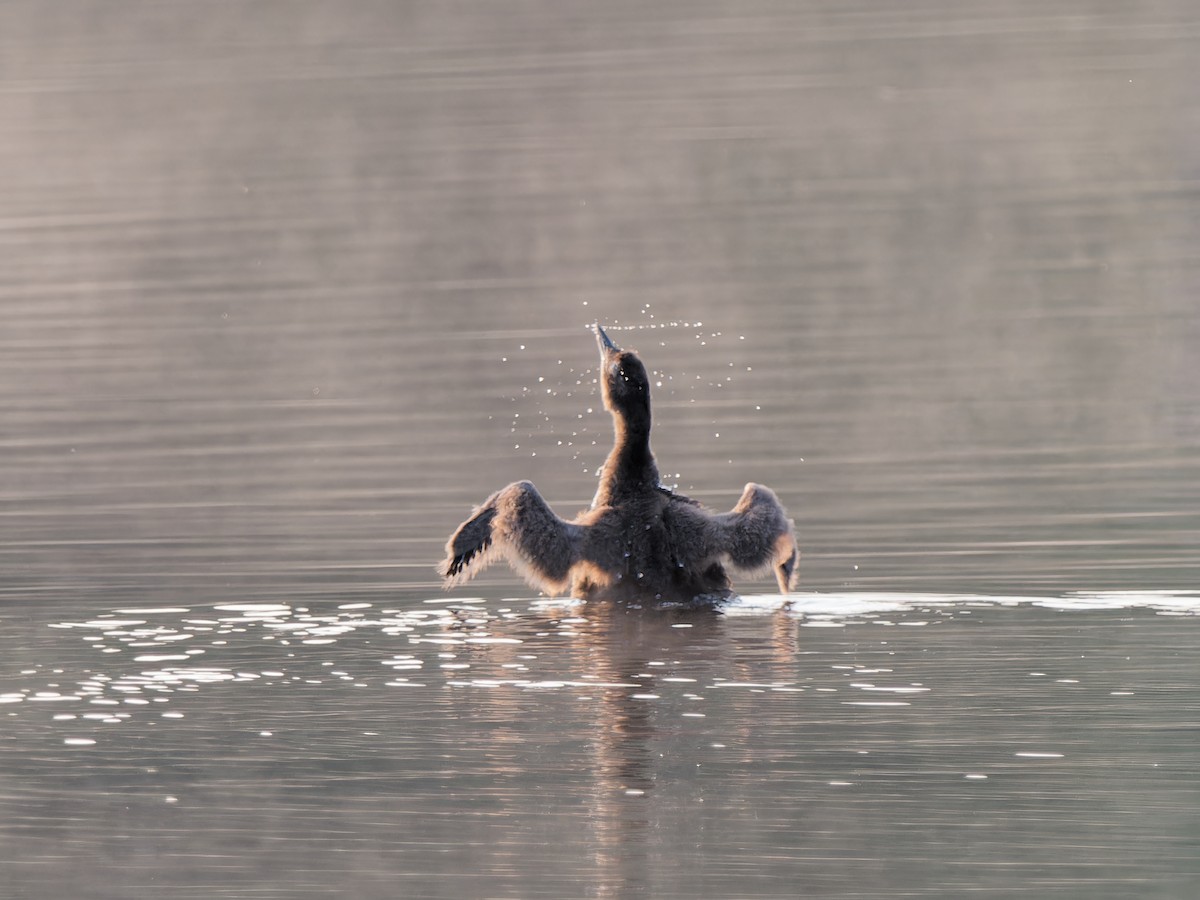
point(630, 466)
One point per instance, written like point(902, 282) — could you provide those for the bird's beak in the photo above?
point(606, 345)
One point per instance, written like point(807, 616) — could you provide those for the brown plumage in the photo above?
point(638, 540)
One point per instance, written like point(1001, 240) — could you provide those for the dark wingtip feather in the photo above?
point(454, 566)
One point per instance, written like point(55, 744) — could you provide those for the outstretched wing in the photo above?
point(515, 524)
point(757, 536)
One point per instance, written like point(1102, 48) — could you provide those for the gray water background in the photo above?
point(287, 287)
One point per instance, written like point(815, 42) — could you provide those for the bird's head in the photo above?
point(624, 382)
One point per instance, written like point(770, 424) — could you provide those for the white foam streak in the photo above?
point(827, 609)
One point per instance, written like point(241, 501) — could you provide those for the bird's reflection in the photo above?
point(620, 644)
point(634, 648)
point(625, 646)
point(652, 668)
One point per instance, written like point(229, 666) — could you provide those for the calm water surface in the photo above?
point(287, 288)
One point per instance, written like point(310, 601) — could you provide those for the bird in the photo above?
point(639, 540)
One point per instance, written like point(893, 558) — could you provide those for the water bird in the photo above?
point(639, 540)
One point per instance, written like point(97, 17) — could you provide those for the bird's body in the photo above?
point(638, 540)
